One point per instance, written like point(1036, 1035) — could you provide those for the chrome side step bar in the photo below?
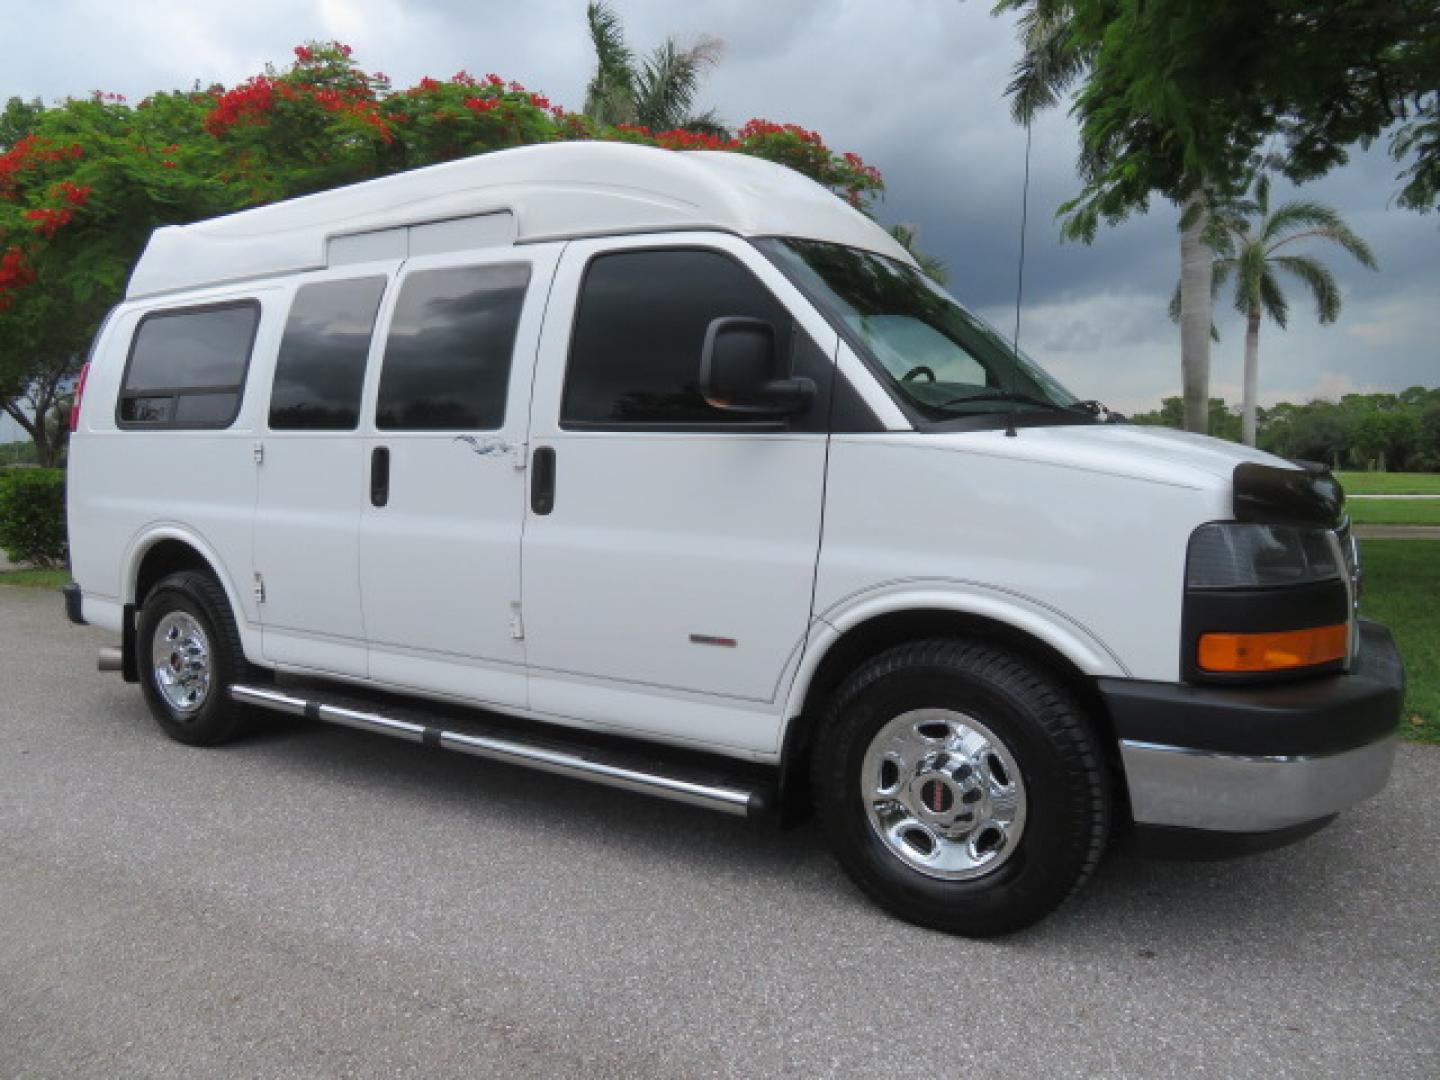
point(582, 764)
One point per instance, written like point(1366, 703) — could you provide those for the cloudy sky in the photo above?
point(914, 86)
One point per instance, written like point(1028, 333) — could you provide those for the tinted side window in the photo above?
point(320, 371)
point(187, 367)
point(639, 329)
point(447, 360)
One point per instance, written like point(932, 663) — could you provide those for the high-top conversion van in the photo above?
point(671, 471)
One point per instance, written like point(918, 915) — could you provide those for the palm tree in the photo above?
point(1054, 59)
point(934, 268)
point(657, 91)
point(1249, 240)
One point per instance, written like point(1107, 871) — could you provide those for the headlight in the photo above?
point(1240, 555)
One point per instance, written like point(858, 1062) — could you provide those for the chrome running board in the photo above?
point(582, 764)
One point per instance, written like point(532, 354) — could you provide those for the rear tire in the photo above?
point(961, 787)
point(188, 653)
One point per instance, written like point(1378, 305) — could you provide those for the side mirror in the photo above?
point(740, 371)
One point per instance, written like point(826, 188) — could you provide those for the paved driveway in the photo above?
point(317, 902)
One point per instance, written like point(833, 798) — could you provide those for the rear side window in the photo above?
point(639, 331)
point(187, 367)
point(447, 360)
point(320, 371)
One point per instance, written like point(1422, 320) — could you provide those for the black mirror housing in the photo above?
point(740, 371)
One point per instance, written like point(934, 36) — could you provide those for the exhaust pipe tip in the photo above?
point(110, 658)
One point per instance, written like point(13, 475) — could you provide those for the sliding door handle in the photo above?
point(380, 476)
point(542, 480)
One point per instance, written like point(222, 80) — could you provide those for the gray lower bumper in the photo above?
point(1206, 789)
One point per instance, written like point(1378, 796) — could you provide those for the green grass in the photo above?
point(1389, 483)
point(1402, 584)
point(35, 579)
point(1394, 511)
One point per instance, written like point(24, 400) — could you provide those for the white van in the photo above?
point(675, 466)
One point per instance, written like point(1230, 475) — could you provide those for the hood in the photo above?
point(1160, 455)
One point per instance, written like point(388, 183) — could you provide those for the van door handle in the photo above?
point(380, 476)
point(542, 481)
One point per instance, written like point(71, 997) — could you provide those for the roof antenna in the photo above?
point(1020, 268)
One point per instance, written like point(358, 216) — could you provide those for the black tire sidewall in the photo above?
point(218, 719)
point(1055, 849)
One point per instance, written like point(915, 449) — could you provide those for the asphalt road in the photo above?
point(316, 902)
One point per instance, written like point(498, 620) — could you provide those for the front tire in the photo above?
point(961, 787)
point(188, 653)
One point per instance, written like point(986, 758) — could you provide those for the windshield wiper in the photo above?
point(1004, 395)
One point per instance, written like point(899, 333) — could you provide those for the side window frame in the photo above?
point(741, 425)
point(175, 393)
point(385, 328)
point(387, 278)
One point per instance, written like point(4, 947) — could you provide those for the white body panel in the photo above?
point(307, 527)
point(658, 538)
point(440, 563)
point(539, 193)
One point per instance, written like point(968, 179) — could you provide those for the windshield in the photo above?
point(935, 355)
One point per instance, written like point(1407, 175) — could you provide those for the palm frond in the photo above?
point(609, 97)
point(1323, 286)
point(1052, 61)
point(707, 123)
point(668, 80)
point(1250, 271)
point(1272, 300)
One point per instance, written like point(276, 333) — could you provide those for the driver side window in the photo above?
point(639, 329)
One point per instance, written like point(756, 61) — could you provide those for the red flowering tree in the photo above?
point(83, 184)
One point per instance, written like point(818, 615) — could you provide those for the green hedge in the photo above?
point(32, 516)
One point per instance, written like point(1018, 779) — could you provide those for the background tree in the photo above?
point(1360, 431)
point(1249, 240)
point(657, 92)
point(1176, 98)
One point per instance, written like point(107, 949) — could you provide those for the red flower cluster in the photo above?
point(856, 162)
point(539, 101)
point(426, 83)
point(26, 154)
point(756, 128)
point(15, 274)
point(303, 54)
point(48, 221)
point(482, 104)
point(247, 103)
point(253, 100)
point(680, 139)
point(75, 194)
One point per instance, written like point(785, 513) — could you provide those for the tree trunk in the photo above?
point(1252, 376)
point(1197, 270)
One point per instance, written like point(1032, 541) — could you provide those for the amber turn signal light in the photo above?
point(1274, 651)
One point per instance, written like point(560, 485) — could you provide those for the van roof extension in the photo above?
point(530, 194)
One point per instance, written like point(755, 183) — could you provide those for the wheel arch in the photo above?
point(837, 650)
point(169, 549)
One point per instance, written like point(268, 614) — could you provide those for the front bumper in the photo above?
point(1265, 760)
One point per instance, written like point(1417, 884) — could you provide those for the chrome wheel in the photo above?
point(943, 793)
point(180, 658)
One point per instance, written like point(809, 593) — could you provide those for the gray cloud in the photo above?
point(913, 85)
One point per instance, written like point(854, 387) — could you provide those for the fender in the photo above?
point(151, 534)
point(1067, 636)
